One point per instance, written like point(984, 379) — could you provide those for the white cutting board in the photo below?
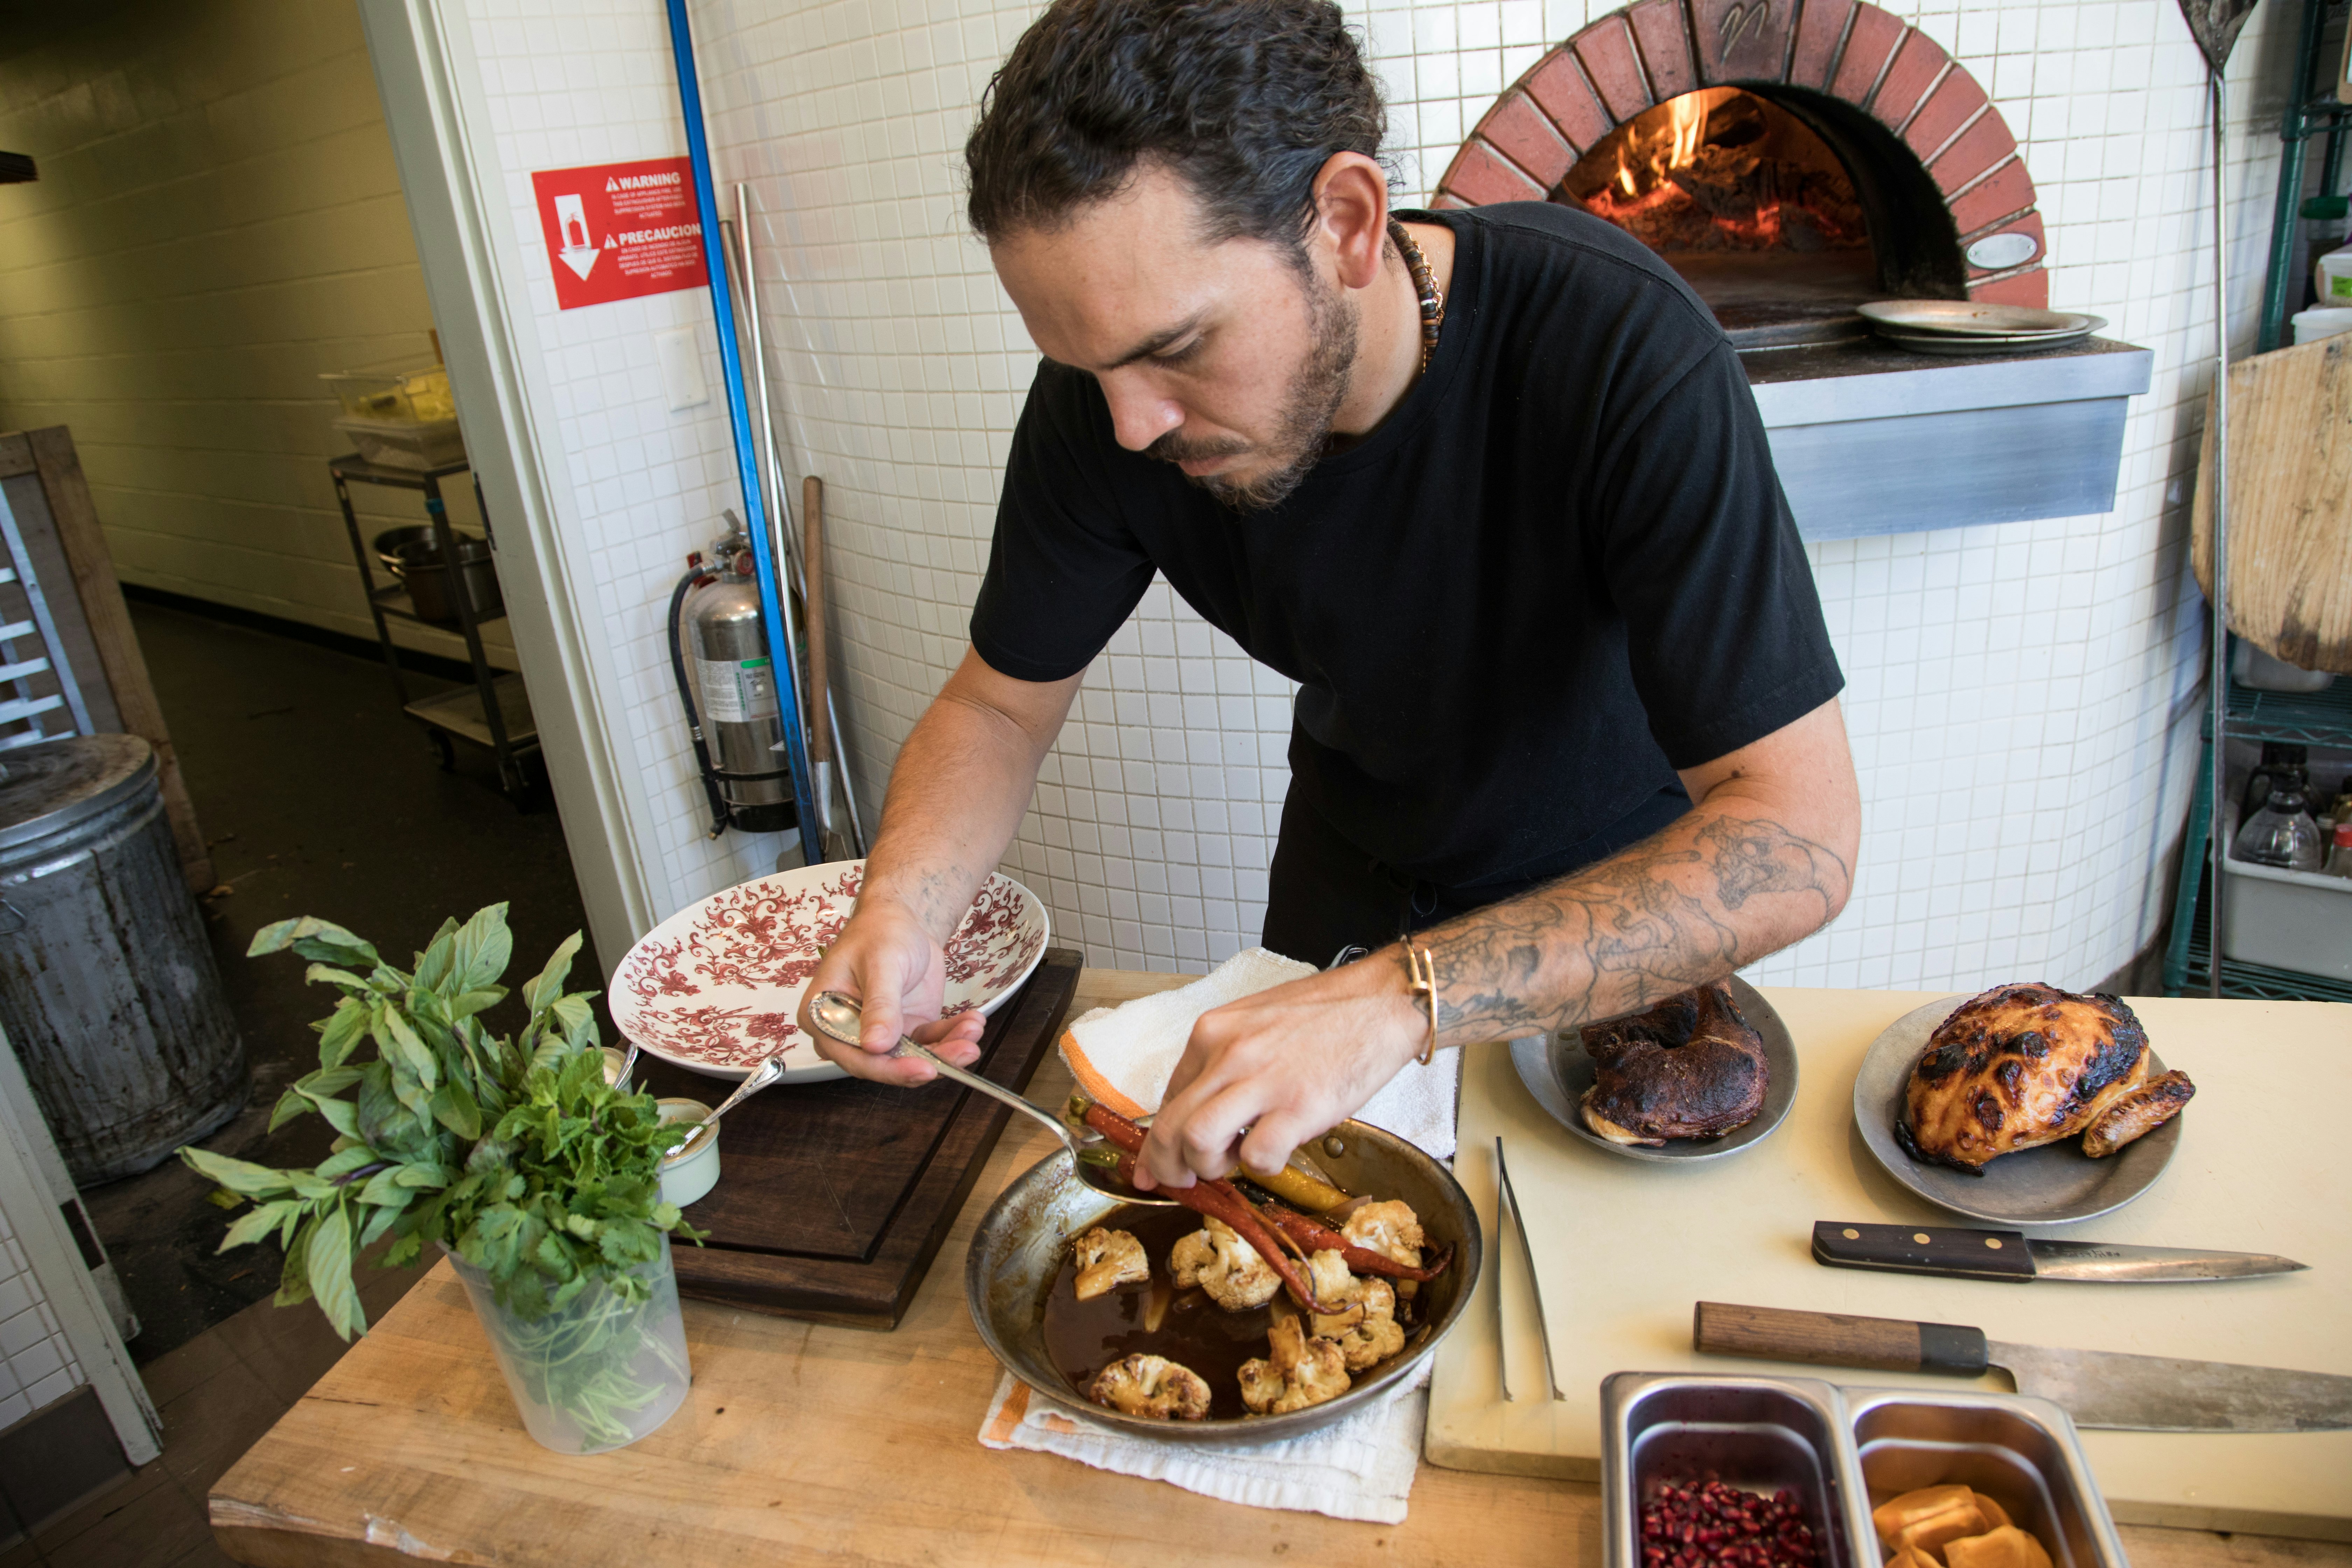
point(1625, 1248)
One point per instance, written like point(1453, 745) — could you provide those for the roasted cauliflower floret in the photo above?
point(1108, 1258)
point(1152, 1385)
point(1366, 1331)
point(1301, 1372)
point(1226, 1267)
point(1390, 1229)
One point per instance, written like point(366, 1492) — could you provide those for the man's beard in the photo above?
point(1315, 393)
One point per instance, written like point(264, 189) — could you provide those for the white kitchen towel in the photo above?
point(1123, 1056)
point(1358, 1468)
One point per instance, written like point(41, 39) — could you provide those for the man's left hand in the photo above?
point(1263, 1074)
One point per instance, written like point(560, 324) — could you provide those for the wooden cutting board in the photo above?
point(1626, 1248)
point(2290, 504)
point(833, 1198)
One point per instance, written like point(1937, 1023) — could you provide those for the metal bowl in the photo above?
point(1018, 1249)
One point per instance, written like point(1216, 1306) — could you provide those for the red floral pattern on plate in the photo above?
point(717, 987)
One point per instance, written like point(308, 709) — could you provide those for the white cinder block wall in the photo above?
point(2022, 698)
point(216, 222)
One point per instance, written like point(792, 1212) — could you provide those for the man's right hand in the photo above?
point(893, 967)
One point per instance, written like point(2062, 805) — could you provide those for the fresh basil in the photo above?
point(511, 1151)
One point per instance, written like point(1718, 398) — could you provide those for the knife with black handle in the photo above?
point(1958, 1252)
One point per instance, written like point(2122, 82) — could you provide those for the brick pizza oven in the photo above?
point(1949, 206)
point(1792, 158)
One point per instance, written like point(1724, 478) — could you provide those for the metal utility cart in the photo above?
point(495, 711)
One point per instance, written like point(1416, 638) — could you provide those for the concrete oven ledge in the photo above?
point(1870, 438)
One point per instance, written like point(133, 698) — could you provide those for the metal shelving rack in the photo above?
point(2312, 112)
point(495, 711)
point(2318, 719)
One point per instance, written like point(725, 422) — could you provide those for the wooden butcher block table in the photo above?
point(806, 1443)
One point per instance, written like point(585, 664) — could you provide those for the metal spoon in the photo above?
point(840, 1019)
point(758, 1079)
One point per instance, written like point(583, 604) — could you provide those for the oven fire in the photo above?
point(1720, 170)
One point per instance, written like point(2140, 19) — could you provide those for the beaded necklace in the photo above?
point(1433, 303)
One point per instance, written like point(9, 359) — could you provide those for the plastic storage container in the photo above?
point(404, 443)
point(2288, 920)
point(407, 397)
point(598, 1373)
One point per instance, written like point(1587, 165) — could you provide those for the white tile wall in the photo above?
point(37, 1365)
point(2021, 697)
point(591, 83)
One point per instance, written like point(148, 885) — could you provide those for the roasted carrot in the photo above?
point(1220, 1202)
point(1317, 1238)
point(1290, 1184)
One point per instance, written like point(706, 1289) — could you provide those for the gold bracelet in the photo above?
point(1421, 969)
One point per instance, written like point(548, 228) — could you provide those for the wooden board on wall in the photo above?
point(2290, 504)
point(95, 622)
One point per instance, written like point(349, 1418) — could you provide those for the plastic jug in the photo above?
point(2331, 276)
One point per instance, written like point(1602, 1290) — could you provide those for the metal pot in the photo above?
point(1018, 1249)
point(428, 579)
point(387, 544)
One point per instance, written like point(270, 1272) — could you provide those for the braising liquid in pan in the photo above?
point(1083, 1337)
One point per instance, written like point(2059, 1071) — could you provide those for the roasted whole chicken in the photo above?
point(2023, 1066)
point(1689, 1068)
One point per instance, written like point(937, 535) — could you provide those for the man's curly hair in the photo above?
point(1243, 100)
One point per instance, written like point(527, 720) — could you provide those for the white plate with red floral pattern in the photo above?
point(717, 987)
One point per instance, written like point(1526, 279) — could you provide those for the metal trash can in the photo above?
point(108, 988)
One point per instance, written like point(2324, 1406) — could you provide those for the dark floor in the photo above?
point(318, 796)
point(218, 1393)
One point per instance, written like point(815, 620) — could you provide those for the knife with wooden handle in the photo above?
point(2098, 1388)
point(1958, 1252)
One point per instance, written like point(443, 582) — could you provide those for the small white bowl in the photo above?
point(689, 1175)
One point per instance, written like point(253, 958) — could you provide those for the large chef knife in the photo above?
point(1957, 1252)
point(2098, 1388)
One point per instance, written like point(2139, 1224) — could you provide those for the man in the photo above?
point(1567, 711)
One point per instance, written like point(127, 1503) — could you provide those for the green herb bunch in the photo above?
point(514, 1152)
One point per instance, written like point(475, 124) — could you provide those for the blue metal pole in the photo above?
point(739, 419)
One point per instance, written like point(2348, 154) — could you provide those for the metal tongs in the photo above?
point(1510, 1212)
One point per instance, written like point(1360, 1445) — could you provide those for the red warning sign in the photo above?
point(618, 230)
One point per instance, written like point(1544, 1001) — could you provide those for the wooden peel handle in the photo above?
point(1832, 1339)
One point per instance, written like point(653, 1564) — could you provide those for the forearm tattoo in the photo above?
point(1672, 912)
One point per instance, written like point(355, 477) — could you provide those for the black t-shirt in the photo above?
point(1559, 570)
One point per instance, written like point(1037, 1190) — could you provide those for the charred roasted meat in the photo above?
point(2138, 1114)
point(2023, 1066)
point(1688, 1068)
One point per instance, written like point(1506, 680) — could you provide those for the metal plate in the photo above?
point(1959, 345)
point(1558, 1072)
point(1018, 1248)
point(1970, 318)
point(2054, 1184)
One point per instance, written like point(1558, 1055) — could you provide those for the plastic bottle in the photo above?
point(2281, 833)
point(2331, 277)
point(2326, 221)
point(2339, 859)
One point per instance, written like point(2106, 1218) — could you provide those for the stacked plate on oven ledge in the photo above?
point(1966, 327)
